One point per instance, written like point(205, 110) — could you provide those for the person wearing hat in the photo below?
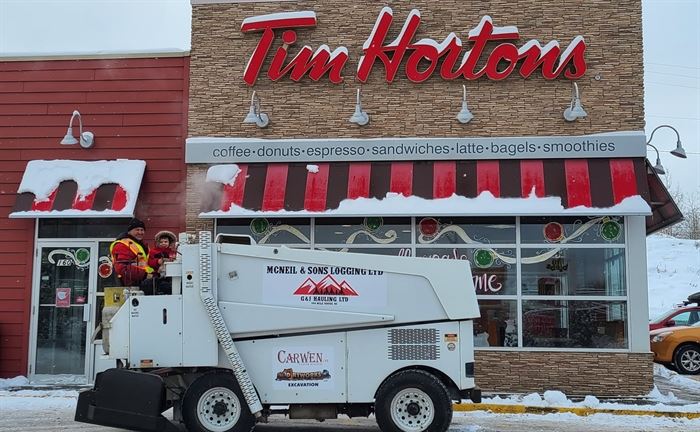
point(130, 256)
point(164, 251)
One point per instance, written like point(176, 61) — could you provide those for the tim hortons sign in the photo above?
point(421, 57)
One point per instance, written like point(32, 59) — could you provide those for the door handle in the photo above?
point(86, 312)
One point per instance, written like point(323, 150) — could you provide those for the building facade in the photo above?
point(553, 223)
point(62, 205)
point(551, 214)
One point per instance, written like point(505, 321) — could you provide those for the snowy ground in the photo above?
point(42, 410)
point(62, 420)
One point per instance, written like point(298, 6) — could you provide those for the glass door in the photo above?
point(105, 278)
point(62, 300)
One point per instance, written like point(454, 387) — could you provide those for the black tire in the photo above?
point(214, 402)
point(413, 401)
point(687, 359)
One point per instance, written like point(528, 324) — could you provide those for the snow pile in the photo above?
point(557, 399)
point(17, 381)
point(673, 271)
point(34, 399)
point(38, 399)
point(656, 395)
point(225, 174)
point(676, 379)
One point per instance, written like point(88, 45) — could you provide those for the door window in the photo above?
point(64, 280)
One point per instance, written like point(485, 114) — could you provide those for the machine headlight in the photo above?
point(659, 337)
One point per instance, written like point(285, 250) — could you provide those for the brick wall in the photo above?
point(611, 92)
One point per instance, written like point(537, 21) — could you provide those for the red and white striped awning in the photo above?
point(516, 187)
point(63, 188)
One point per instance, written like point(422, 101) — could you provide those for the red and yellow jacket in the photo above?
point(130, 260)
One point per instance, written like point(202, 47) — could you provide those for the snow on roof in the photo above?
point(485, 204)
point(225, 174)
point(42, 177)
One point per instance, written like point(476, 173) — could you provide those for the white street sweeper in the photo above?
point(251, 331)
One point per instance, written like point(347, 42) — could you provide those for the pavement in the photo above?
point(685, 394)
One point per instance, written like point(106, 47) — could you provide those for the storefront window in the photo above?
point(572, 230)
point(269, 231)
point(494, 271)
point(364, 231)
point(82, 228)
point(574, 324)
point(591, 272)
point(445, 230)
point(569, 257)
point(497, 325)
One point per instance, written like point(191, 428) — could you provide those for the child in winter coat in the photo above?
point(164, 251)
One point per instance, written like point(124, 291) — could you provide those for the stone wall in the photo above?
point(611, 90)
point(574, 373)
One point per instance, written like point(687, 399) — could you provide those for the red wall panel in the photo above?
point(137, 109)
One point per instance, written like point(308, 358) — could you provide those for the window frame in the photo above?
point(518, 246)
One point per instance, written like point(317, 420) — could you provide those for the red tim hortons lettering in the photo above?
point(315, 64)
point(422, 57)
point(375, 50)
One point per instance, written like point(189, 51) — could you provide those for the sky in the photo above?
point(671, 54)
point(672, 85)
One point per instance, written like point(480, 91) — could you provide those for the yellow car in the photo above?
point(677, 346)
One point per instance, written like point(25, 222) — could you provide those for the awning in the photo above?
point(66, 188)
point(503, 187)
point(665, 211)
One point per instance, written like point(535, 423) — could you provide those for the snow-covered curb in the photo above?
point(557, 399)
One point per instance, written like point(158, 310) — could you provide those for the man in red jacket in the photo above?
point(130, 256)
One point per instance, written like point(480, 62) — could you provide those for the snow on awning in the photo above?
point(483, 188)
point(67, 188)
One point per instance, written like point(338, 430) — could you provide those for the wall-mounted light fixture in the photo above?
point(575, 110)
point(658, 167)
point(86, 140)
point(359, 117)
point(679, 151)
point(255, 115)
point(464, 115)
